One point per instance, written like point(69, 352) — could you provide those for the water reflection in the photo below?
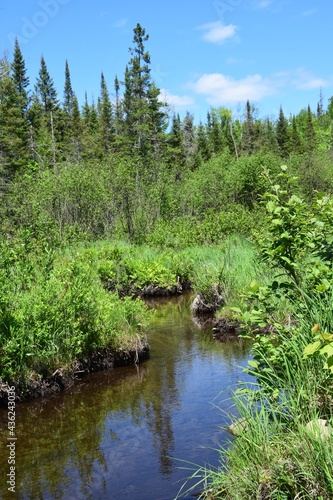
point(119, 434)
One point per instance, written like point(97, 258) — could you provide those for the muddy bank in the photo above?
point(222, 329)
point(63, 378)
point(208, 304)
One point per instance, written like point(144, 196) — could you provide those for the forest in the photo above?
point(102, 201)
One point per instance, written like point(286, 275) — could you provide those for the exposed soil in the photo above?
point(202, 305)
point(101, 359)
point(223, 330)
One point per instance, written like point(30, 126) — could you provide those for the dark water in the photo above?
point(129, 433)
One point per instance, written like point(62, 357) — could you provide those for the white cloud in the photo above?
point(120, 23)
point(304, 80)
point(175, 100)
point(221, 89)
point(217, 32)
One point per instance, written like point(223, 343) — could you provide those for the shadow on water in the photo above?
point(122, 434)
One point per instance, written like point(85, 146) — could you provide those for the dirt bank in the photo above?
point(63, 378)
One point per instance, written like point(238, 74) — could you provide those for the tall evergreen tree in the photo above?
point(45, 89)
point(310, 133)
point(21, 80)
point(68, 91)
point(320, 105)
point(249, 133)
point(105, 116)
point(118, 108)
point(175, 146)
point(189, 139)
point(282, 134)
point(295, 137)
point(14, 132)
point(142, 109)
point(216, 140)
point(203, 143)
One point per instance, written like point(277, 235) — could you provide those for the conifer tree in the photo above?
point(143, 112)
point(50, 121)
point(310, 133)
point(175, 145)
point(282, 134)
point(249, 133)
point(216, 139)
point(85, 110)
point(295, 138)
point(105, 116)
point(189, 139)
point(45, 89)
point(14, 132)
point(68, 91)
point(320, 105)
point(203, 143)
point(20, 78)
point(118, 108)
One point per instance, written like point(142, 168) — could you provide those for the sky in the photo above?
point(204, 53)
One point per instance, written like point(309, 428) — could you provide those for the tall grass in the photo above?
point(277, 455)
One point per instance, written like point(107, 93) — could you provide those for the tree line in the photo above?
point(147, 153)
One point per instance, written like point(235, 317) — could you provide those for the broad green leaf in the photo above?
point(270, 206)
point(311, 348)
point(327, 349)
point(325, 336)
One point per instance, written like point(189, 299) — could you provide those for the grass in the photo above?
point(54, 306)
point(276, 455)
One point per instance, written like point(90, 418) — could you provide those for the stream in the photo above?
point(131, 433)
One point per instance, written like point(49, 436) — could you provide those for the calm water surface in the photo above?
point(125, 434)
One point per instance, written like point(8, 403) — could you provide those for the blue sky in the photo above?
point(203, 52)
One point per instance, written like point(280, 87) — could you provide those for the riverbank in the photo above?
point(122, 433)
point(283, 448)
point(65, 377)
point(60, 309)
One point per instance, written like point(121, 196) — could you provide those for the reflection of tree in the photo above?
point(168, 326)
point(61, 441)
point(65, 434)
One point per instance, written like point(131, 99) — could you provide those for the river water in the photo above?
point(131, 433)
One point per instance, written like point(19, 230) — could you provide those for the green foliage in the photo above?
point(54, 311)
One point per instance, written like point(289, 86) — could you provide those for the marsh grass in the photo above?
point(276, 456)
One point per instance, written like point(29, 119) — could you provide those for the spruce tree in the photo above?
point(143, 112)
point(203, 143)
point(282, 134)
point(21, 81)
point(189, 139)
point(295, 138)
point(52, 127)
point(45, 89)
point(68, 91)
point(105, 116)
point(175, 146)
point(118, 108)
point(14, 132)
point(310, 133)
point(249, 132)
point(320, 105)
point(216, 140)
